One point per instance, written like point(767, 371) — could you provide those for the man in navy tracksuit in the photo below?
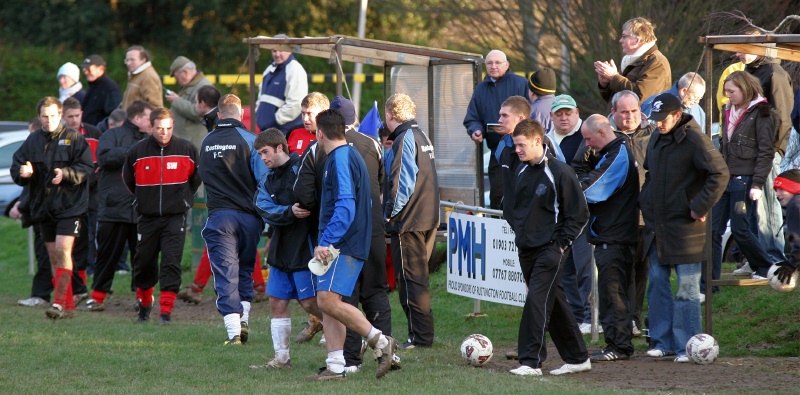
point(610, 181)
point(230, 167)
point(548, 213)
point(411, 209)
point(161, 173)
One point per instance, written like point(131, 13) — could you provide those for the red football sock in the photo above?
point(69, 299)
point(63, 284)
point(203, 273)
point(258, 276)
point(167, 302)
point(99, 296)
point(82, 275)
point(146, 296)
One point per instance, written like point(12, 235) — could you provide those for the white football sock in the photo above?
point(281, 329)
point(246, 312)
point(232, 325)
point(335, 361)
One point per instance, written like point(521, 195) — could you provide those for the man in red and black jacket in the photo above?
point(161, 173)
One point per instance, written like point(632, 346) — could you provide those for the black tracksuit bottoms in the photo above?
point(541, 268)
point(410, 253)
point(166, 235)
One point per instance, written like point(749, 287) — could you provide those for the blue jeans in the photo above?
point(577, 279)
point(735, 204)
point(767, 219)
point(673, 321)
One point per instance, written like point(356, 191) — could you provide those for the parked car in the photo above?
point(9, 191)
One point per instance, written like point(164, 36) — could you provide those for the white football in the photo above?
point(476, 349)
point(777, 284)
point(702, 349)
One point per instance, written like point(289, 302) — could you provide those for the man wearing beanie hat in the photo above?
point(685, 177)
point(787, 187)
point(103, 95)
point(500, 84)
point(347, 109)
point(542, 89)
point(69, 81)
point(187, 121)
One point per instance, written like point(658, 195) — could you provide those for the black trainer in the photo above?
point(144, 313)
point(245, 332)
point(608, 354)
point(164, 319)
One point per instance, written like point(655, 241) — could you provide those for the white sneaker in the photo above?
point(32, 302)
point(573, 368)
point(757, 277)
point(635, 331)
point(524, 370)
point(586, 328)
point(745, 270)
point(352, 369)
point(682, 359)
point(656, 353)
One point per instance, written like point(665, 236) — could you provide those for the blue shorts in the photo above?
point(341, 278)
point(296, 285)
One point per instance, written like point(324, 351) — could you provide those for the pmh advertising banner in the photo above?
point(482, 260)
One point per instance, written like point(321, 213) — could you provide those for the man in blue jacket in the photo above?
point(610, 181)
point(500, 84)
point(284, 85)
point(344, 225)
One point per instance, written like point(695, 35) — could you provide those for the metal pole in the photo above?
point(359, 68)
point(252, 62)
point(709, 262)
point(31, 252)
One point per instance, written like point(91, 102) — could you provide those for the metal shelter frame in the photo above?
point(384, 54)
point(780, 46)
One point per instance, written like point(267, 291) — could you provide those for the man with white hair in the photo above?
point(187, 122)
point(500, 84)
point(643, 69)
point(690, 88)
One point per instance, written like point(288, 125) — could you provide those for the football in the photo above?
point(777, 284)
point(702, 349)
point(476, 350)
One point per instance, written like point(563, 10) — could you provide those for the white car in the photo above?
point(9, 191)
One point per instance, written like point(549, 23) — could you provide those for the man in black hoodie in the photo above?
point(103, 95)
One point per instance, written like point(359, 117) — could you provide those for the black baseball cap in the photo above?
point(93, 60)
point(664, 104)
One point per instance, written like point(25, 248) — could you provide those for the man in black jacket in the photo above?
point(116, 219)
point(548, 213)
point(609, 179)
point(161, 172)
point(103, 95)
point(685, 177)
point(290, 247)
point(55, 162)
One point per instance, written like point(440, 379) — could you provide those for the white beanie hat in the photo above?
point(70, 70)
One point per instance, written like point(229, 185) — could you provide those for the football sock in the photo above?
point(98, 296)
point(146, 296)
point(245, 312)
point(167, 302)
point(335, 361)
point(203, 273)
point(232, 325)
point(62, 282)
point(281, 329)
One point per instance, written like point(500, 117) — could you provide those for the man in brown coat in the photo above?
point(645, 70)
point(143, 80)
